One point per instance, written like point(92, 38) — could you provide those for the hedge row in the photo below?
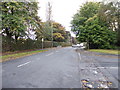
point(22, 44)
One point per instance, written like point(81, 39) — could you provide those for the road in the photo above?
point(61, 68)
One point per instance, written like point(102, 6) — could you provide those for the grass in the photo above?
point(105, 51)
point(19, 55)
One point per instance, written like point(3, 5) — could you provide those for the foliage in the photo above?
point(18, 18)
point(28, 44)
point(98, 36)
point(58, 37)
point(109, 14)
point(52, 29)
point(91, 27)
point(45, 32)
point(59, 33)
point(89, 9)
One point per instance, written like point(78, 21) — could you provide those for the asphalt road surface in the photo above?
point(62, 68)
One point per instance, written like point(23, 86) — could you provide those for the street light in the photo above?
point(42, 42)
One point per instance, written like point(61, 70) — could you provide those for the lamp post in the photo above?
point(42, 42)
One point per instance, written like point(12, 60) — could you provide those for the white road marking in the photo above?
point(23, 64)
point(49, 54)
point(79, 56)
point(108, 67)
point(57, 51)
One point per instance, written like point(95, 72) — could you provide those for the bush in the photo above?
point(21, 44)
point(27, 44)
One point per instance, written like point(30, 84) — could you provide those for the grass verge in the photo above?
point(105, 51)
point(18, 55)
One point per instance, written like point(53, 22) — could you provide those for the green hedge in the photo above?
point(22, 44)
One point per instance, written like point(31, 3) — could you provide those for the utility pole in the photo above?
point(49, 19)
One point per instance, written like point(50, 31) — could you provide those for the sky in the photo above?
point(62, 11)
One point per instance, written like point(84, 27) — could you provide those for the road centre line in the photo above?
point(23, 64)
point(49, 54)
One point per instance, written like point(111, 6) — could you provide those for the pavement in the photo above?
point(98, 70)
point(61, 68)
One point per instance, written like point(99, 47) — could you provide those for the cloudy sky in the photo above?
point(62, 10)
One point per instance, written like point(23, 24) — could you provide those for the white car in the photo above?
point(81, 46)
point(77, 45)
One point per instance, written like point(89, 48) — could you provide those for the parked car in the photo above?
point(81, 46)
point(77, 45)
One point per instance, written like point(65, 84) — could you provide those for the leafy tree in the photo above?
point(88, 10)
point(39, 31)
point(58, 37)
point(18, 18)
point(68, 37)
point(98, 36)
point(92, 27)
point(47, 31)
point(59, 33)
point(78, 23)
point(109, 14)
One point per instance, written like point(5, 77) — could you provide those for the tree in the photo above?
point(59, 33)
point(49, 13)
point(39, 31)
point(89, 9)
point(93, 28)
point(109, 13)
point(99, 36)
point(58, 37)
point(68, 37)
point(47, 31)
point(86, 11)
point(18, 18)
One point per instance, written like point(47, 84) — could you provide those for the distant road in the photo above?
point(60, 68)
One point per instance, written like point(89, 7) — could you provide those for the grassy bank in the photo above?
point(18, 55)
point(105, 51)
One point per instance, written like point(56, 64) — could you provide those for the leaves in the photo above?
point(58, 37)
point(18, 18)
point(92, 26)
point(59, 33)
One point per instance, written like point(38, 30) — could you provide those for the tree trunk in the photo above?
point(9, 39)
point(16, 38)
